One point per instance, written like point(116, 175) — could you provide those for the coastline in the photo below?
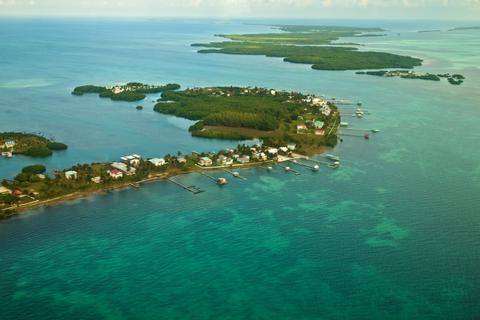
point(11, 212)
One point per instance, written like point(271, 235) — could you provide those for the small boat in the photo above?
point(316, 167)
point(294, 161)
point(366, 136)
point(222, 181)
point(332, 157)
point(269, 168)
point(287, 168)
point(375, 130)
point(236, 174)
point(343, 124)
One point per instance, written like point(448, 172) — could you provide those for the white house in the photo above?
point(135, 162)
point(284, 149)
point(272, 151)
point(120, 166)
point(291, 146)
point(325, 109)
point(157, 162)
point(71, 175)
point(4, 190)
point(205, 162)
point(301, 127)
point(273, 92)
point(9, 144)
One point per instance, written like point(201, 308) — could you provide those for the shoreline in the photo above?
point(22, 209)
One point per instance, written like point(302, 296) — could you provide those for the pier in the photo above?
point(315, 167)
point(235, 174)
point(192, 189)
point(329, 164)
point(288, 169)
point(219, 181)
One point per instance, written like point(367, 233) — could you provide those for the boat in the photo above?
point(269, 168)
point(316, 167)
point(366, 136)
point(236, 174)
point(287, 168)
point(343, 124)
point(332, 157)
point(222, 181)
point(375, 130)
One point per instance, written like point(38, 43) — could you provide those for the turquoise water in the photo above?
point(393, 234)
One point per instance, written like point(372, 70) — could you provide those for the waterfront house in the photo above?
point(96, 180)
point(182, 160)
point(291, 146)
point(135, 162)
point(205, 162)
point(221, 159)
point(41, 176)
point(7, 154)
point(263, 156)
point(272, 151)
point(157, 162)
point(71, 175)
point(115, 174)
point(325, 109)
point(244, 159)
point(284, 149)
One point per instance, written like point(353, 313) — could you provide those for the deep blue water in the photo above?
point(393, 234)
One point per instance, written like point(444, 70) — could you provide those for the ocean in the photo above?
point(394, 233)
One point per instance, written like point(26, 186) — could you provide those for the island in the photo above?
point(289, 125)
point(454, 79)
point(28, 144)
point(132, 91)
point(312, 45)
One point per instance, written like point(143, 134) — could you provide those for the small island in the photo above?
point(312, 45)
point(454, 79)
point(28, 144)
point(132, 91)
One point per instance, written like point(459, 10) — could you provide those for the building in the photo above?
point(272, 151)
point(325, 109)
point(9, 144)
point(205, 162)
point(301, 127)
point(41, 176)
point(262, 156)
point(318, 124)
point(273, 92)
point(182, 160)
point(291, 146)
point(284, 149)
point(96, 180)
point(135, 162)
point(319, 132)
point(71, 175)
point(4, 190)
point(244, 159)
point(123, 167)
point(115, 174)
point(157, 162)
point(7, 154)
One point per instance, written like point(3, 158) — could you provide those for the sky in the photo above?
point(335, 9)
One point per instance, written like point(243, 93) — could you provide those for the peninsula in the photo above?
point(312, 45)
point(28, 144)
point(132, 91)
point(289, 124)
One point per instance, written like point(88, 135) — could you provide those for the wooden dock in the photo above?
point(235, 174)
point(327, 163)
point(289, 170)
point(313, 168)
point(192, 189)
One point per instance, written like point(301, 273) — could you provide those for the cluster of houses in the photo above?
point(255, 154)
point(130, 87)
point(7, 148)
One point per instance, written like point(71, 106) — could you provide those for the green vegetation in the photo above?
point(455, 79)
point(132, 91)
point(34, 169)
point(310, 45)
point(29, 144)
point(246, 113)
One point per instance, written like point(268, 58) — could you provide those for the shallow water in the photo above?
point(394, 233)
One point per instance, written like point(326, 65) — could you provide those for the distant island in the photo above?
point(454, 79)
point(28, 144)
point(276, 117)
point(465, 28)
point(132, 91)
point(291, 125)
point(311, 45)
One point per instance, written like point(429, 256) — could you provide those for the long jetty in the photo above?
point(192, 189)
point(313, 168)
point(288, 169)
